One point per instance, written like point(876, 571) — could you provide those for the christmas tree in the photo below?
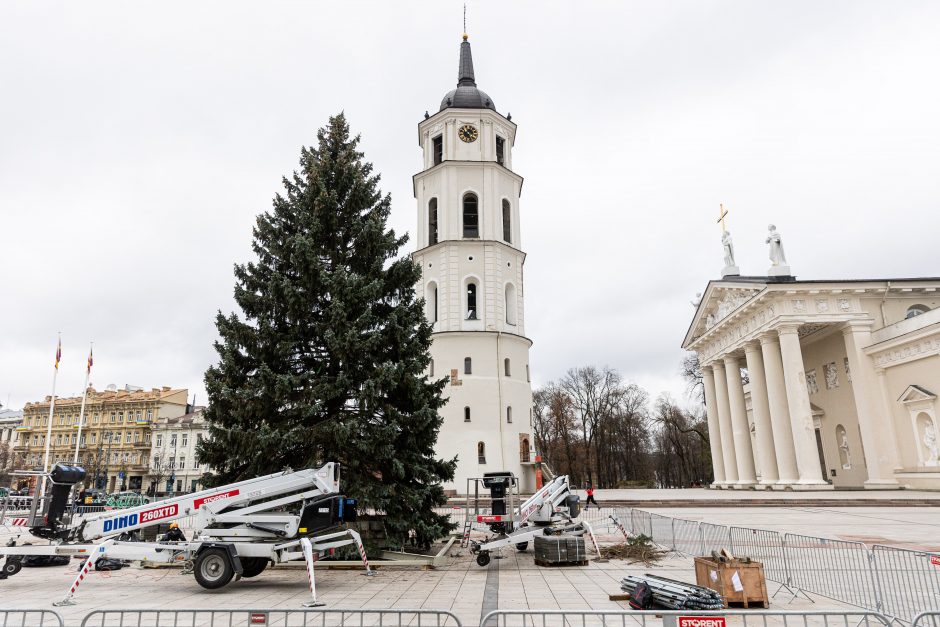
point(328, 361)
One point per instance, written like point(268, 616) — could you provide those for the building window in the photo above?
point(431, 368)
point(466, 414)
point(510, 298)
point(112, 416)
point(185, 439)
point(432, 222)
point(173, 440)
point(471, 301)
point(147, 437)
point(94, 438)
point(506, 368)
point(527, 373)
point(916, 310)
point(96, 418)
point(182, 463)
point(159, 440)
point(507, 222)
point(431, 302)
point(467, 365)
point(121, 416)
point(509, 415)
point(481, 453)
point(438, 149)
point(149, 414)
point(471, 216)
point(524, 451)
point(500, 150)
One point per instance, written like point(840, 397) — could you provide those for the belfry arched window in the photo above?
point(507, 222)
point(481, 452)
point(509, 415)
point(467, 365)
point(471, 215)
point(432, 222)
point(430, 301)
point(506, 367)
point(510, 298)
point(916, 310)
point(466, 414)
point(472, 301)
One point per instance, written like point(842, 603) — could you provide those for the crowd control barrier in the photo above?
point(279, 617)
point(30, 618)
point(682, 618)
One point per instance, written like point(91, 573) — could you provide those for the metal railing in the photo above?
point(907, 581)
point(927, 619)
point(282, 618)
point(682, 618)
point(30, 618)
point(764, 546)
point(836, 569)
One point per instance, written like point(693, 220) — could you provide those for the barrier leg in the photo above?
point(99, 551)
point(307, 548)
point(590, 532)
point(619, 526)
point(362, 552)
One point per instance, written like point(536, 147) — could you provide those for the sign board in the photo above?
point(489, 519)
point(259, 618)
point(935, 560)
point(701, 621)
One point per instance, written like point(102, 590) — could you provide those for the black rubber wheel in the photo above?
point(213, 569)
point(483, 559)
point(11, 567)
point(253, 566)
point(522, 546)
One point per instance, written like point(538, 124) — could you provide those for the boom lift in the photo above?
point(239, 528)
point(549, 511)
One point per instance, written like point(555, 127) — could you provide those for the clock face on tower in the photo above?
point(468, 133)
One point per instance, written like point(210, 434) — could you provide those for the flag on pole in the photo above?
point(90, 360)
point(58, 354)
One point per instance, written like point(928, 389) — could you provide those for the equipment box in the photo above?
point(740, 584)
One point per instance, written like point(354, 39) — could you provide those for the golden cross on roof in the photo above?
point(722, 214)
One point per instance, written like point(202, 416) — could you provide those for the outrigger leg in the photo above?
point(86, 567)
point(307, 548)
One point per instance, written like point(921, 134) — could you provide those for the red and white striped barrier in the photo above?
point(310, 558)
point(362, 552)
point(99, 551)
point(619, 526)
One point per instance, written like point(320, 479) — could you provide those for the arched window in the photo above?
point(431, 366)
point(471, 301)
point(471, 216)
point(430, 299)
point(467, 365)
point(506, 367)
point(509, 415)
point(432, 222)
point(481, 453)
point(524, 451)
point(916, 310)
point(527, 373)
point(507, 222)
point(510, 298)
point(466, 414)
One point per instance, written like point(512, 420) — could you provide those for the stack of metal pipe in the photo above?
point(675, 595)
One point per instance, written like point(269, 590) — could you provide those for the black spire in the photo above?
point(467, 95)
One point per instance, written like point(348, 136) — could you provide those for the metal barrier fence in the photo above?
point(688, 538)
point(642, 523)
point(282, 618)
point(836, 569)
point(689, 618)
point(661, 528)
point(927, 619)
point(714, 537)
point(908, 582)
point(765, 547)
point(30, 618)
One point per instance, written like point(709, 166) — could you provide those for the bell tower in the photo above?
point(470, 253)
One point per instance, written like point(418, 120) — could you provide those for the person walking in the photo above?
point(590, 497)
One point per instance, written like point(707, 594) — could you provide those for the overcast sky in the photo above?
point(138, 143)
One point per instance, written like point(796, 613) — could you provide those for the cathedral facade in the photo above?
point(470, 252)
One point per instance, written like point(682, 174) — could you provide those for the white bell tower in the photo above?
point(470, 253)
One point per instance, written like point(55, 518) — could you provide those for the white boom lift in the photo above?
point(551, 510)
point(239, 528)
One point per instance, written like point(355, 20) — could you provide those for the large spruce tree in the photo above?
point(328, 361)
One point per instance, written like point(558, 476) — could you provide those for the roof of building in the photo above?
point(467, 95)
point(111, 396)
point(11, 415)
point(186, 419)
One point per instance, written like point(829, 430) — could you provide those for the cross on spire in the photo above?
point(722, 214)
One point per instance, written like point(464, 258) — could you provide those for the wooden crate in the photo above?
point(719, 577)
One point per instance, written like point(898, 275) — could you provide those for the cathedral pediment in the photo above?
point(719, 301)
point(916, 393)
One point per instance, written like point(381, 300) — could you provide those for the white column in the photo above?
point(779, 410)
point(887, 408)
point(801, 415)
point(743, 450)
point(724, 421)
point(714, 429)
point(879, 452)
point(760, 407)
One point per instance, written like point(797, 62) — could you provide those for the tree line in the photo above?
point(599, 429)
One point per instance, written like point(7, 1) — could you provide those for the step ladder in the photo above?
point(467, 525)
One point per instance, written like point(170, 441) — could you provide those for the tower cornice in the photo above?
point(468, 242)
point(416, 178)
point(476, 113)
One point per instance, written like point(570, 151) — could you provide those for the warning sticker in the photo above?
point(702, 621)
point(935, 560)
point(197, 503)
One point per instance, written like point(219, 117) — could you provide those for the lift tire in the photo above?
point(483, 559)
point(11, 567)
point(522, 546)
point(213, 568)
point(253, 566)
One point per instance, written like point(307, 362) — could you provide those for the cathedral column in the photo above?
point(743, 450)
point(886, 408)
point(760, 406)
point(801, 414)
point(779, 410)
point(714, 429)
point(876, 441)
point(724, 422)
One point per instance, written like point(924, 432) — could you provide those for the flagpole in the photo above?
point(81, 413)
point(45, 459)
